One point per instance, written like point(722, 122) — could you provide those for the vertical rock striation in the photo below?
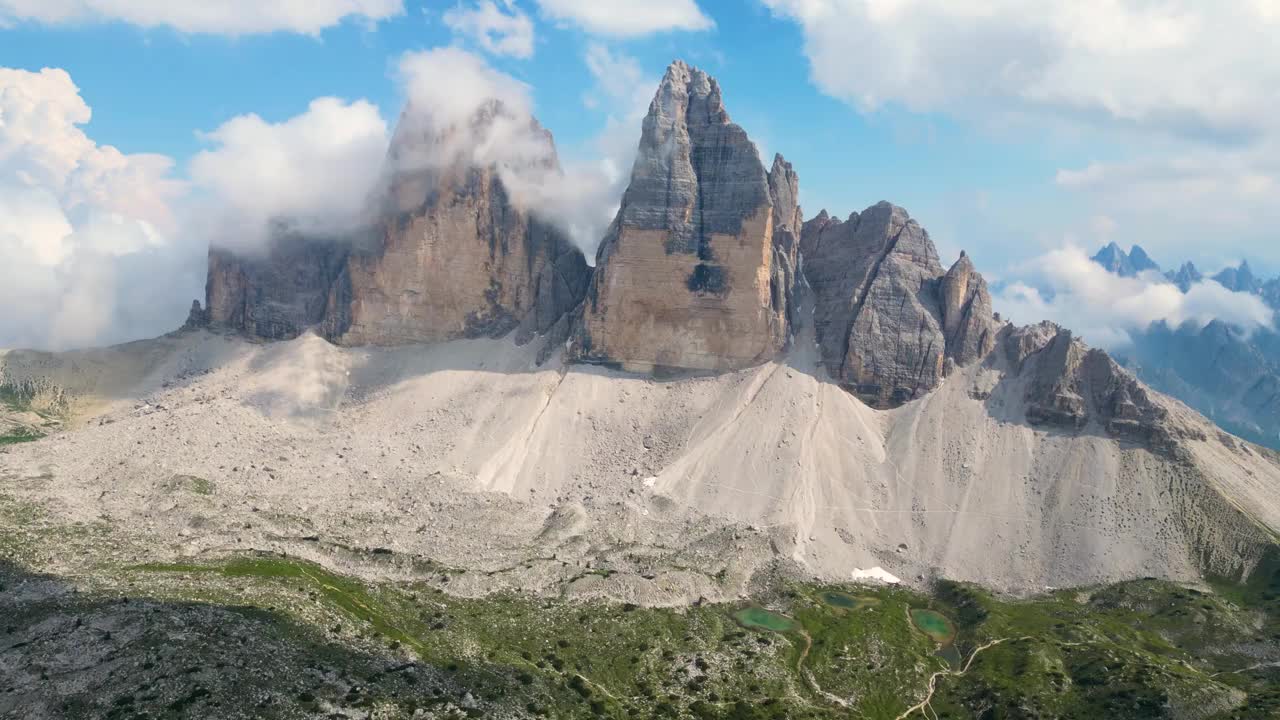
point(278, 294)
point(450, 255)
point(685, 277)
point(887, 318)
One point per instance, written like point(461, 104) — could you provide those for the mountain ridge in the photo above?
point(731, 390)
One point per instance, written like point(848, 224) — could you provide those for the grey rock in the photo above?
point(689, 275)
point(277, 295)
point(784, 190)
point(1072, 387)
point(886, 316)
point(967, 314)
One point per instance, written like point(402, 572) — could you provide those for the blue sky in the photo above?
point(153, 90)
point(1009, 128)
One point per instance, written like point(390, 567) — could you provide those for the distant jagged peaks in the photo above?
point(1130, 264)
point(1239, 279)
point(1185, 276)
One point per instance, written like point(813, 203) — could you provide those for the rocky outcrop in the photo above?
point(685, 277)
point(1074, 387)
point(967, 314)
point(887, 317)
point(450, 256)
point(784, 190)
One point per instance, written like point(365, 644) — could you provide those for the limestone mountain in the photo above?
point(865, 406)
point(449, 255)
point(685, 277)
point(889, 319)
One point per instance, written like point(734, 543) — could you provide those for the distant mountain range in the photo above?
point(1230, 375)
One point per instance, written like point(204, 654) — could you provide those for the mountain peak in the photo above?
point(690, 256)
point(1130, 264)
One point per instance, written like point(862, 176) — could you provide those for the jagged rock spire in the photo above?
point(687, 275)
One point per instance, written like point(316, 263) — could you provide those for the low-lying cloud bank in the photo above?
point(313, 172)
point(1067, 287)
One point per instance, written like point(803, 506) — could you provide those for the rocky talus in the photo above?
point(686, 276)
point(890, 322)
point(450, 256)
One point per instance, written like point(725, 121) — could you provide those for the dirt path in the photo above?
point(933, 679)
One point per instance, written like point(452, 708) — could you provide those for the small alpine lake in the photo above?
point(757, 618)
point(934, 624)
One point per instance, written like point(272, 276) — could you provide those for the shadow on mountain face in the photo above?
point(68, 654)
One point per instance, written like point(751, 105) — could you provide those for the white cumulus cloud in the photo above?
point(1185, 87)
point(627, 18)
point(314, 172)
point(1067, 287)
point(88, 237)
point(225, 17)
point(499, 29)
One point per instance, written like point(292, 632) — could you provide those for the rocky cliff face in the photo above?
point(453, 256)
point(686, 276)
point(888, 319)
point(450, 256)
point(276, 295)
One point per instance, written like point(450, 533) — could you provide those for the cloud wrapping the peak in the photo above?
point(626, 18)
point(314, 171)
point(220, 17)
point(461, 109)
point(1068, 288)
point(500, 30)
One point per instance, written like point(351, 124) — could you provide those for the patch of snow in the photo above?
point(877, 574)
